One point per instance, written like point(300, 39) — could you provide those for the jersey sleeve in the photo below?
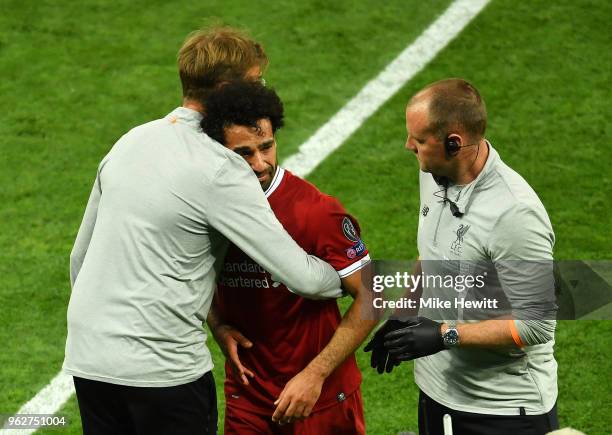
point(338, 238)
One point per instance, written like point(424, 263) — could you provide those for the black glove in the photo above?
point(380, 359)
point(420, 338)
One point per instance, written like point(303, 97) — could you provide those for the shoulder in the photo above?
point(231, 166)
point(320, 205)
point(149, 134)
point(133, 140)
point(322, 214)
point(523, 228)
point(510, 194)
point(515, 187)
point(333, 234)
point(181, 146)
point(148, 130)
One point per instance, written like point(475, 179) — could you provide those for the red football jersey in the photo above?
point(287, 330)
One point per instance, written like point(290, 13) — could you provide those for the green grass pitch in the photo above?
point(77, 75)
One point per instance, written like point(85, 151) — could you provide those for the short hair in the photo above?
point(212, 56)
point(455, 103)
point(241, 103)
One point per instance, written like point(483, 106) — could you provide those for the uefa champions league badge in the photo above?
point(349, 231)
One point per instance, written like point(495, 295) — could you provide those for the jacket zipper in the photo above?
point(435, 240)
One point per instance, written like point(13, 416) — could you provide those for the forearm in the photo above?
point(214, 319)
point(504, 332)
point(229, 340)
point(488, 333)
point(239, 210)
point(351, 332)
point(272, 248)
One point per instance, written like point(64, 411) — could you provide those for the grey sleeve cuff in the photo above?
point(534, 332)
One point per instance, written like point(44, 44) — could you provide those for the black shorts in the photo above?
point(431, 415)
point(108, 409)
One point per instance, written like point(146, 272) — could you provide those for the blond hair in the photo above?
point(209, 57)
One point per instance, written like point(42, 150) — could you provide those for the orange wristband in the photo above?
point(515, 335)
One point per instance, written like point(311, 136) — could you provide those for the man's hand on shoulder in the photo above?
point(298, 397)
point(229, 338)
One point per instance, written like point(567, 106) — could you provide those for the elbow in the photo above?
point(300, 287)
point(539, 338)
point(311, 291)
point(308, 289)
point(547, 336)
point(533, 332)
point(316, 289)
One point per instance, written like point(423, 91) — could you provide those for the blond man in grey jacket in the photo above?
point(165, 202)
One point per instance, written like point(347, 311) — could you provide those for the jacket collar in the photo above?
point(461, 195)
point(185, 116)
point(467, 190)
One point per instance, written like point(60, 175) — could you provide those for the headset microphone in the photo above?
point(454, 209)
point(444, 182)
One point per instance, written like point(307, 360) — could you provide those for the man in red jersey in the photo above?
point(296, 373)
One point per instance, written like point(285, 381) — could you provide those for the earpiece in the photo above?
point(452, 147)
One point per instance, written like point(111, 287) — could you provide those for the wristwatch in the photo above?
point(450, 338)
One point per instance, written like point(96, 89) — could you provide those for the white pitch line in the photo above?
point(48, 401)
point(326, 140)
point(376, 92)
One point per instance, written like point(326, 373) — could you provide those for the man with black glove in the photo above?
point(491, 376)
